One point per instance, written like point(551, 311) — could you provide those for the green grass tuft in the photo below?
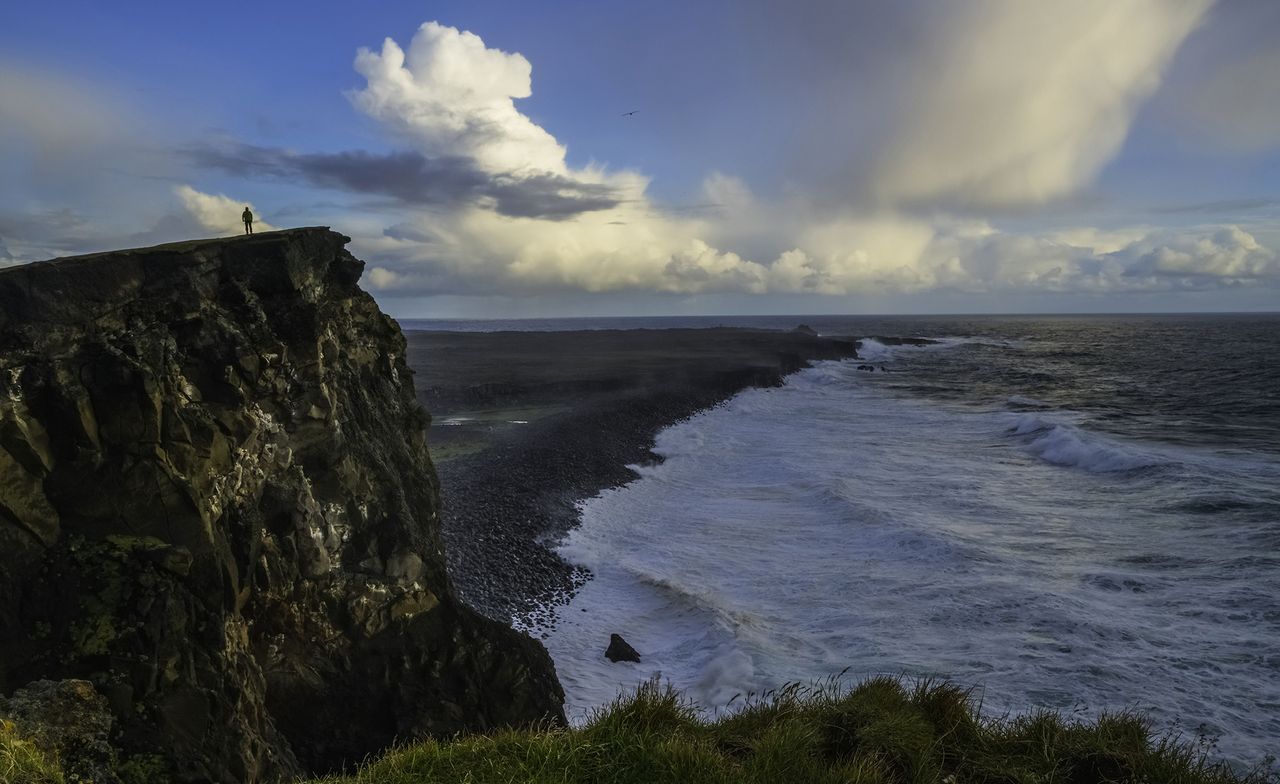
point(881, 731)
point(23, 763)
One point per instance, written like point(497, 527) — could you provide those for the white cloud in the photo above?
point(1229, 253)
point(1028, 107)
point(452, 95)
point(216, 213)
point(1022, 102)
point(383, 278)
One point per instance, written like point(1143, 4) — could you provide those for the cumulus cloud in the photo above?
point(1020, 103)
point(382, 278)
point(521, 215)
point(452, 95)
point(989, 129)
point(1229, 253)
point(216, 213)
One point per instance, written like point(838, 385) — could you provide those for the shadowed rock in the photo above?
point(216, 505)
point(68, 720)
point(620, 650)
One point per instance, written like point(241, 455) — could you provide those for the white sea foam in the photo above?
point(1022, 401)
point(872, 350)
point(1064, 444)
point(825, 524)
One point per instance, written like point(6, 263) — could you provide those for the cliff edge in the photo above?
point(216, 506)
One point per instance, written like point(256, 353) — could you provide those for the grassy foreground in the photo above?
point(880, 731)
point(22, 763)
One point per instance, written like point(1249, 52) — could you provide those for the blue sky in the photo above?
point(828, 156)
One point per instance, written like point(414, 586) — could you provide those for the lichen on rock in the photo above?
point(216, 506)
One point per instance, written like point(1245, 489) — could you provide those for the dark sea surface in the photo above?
point(1074, 512)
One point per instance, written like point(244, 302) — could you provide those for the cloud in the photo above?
point(216, 213)
point(1193, 261)
point(1221, 206)
point(1237, 105)
point(454, 96)
point(54, 126)
point(413, 178)
point(382, 278)
point(1223, 94)
point(1011, 135)
point(1019, 103)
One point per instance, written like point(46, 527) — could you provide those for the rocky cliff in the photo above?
point(216, 506)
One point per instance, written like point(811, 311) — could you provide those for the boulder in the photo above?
point(70, 721)
point(619, 650)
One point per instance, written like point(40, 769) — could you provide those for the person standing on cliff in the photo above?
point(247, 217)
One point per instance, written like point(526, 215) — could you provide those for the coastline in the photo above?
point(527, 424)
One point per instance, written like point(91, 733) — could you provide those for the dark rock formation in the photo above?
point(620, 650)
point(69, 720)
point(217, 506)
point(894, 340)
point(805, 329)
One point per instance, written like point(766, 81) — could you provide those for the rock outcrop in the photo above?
point(620, 650)
point(216, 506)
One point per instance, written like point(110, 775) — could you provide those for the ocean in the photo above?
point(1073, 512)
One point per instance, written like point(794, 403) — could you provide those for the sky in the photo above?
point(601, 158)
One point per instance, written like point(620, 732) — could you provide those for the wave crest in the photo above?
point(1065, 444)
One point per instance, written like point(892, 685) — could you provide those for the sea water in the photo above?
point(1077, 513)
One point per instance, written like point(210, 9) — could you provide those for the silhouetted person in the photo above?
point(247, 217)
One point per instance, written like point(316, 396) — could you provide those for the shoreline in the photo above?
point(525, 425)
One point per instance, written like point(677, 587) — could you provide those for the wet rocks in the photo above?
point(216, 506)
point(619, 650)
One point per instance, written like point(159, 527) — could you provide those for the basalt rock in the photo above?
point(216, 506)
point(70, 721)
point(620, 650)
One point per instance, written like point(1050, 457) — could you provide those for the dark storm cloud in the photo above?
point(412, 178)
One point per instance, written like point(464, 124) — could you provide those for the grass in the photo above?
point(882, 731)
point(23, 763)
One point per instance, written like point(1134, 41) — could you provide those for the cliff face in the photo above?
point(216, 505)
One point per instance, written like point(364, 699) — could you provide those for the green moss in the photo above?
point(880, 732)
point(129, 543)
point(144, 769)
point(112, 574)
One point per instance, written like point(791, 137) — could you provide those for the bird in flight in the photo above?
point(628, 114)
